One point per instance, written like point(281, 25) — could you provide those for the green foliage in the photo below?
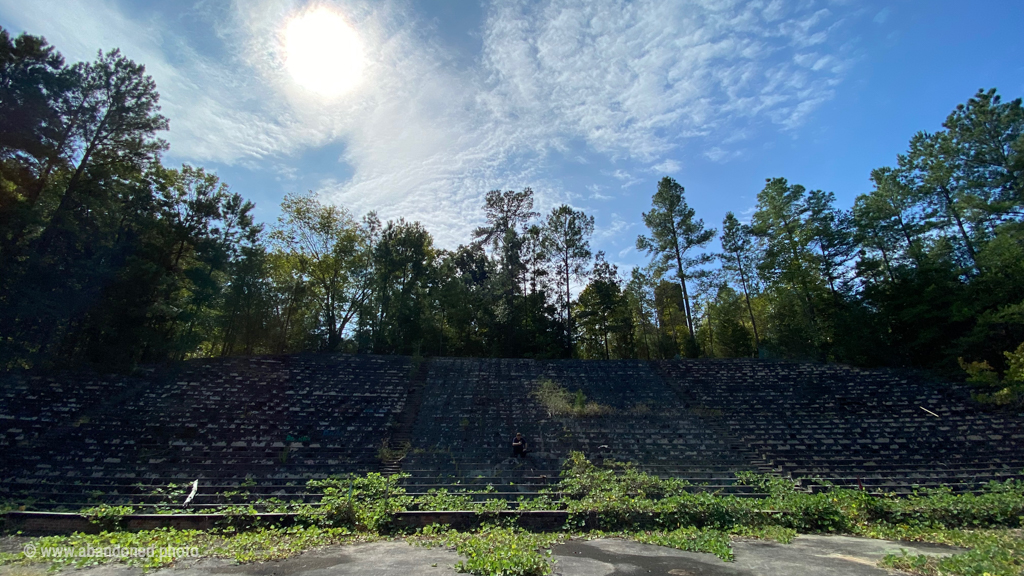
point(605, 322)
point(611, 500)
point(259, 545)
point(442, 500)
point(492, 506)
point(620, 498)
point(362, 502)
point(541, 502)
point(766, 483)
point(690, 540)
point(1008, 391)
point(110, 258)
point(566, 237)
point(779, 534)
point(738, 263)
point(325, 244)
point(665, 515)
point(387, 453)
point(107, 517)
point(992, 553)
point(498, 551)
point(560, 402)
point(675, 233)
point(394, 314)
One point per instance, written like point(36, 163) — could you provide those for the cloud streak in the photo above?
point(636, 82)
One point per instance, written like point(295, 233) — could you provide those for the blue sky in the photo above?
point(589, 102)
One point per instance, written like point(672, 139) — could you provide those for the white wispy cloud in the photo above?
point(626, 178)
point(667, 166)
point(635, 81)
point(627, 76)
point(595, 192)
point(719, 154)
point(615, 228)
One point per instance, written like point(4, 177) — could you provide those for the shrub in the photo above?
point(617, 498)
point(1008, 391)
point(991, 554)
point(364, 502)
point(388, 454)
point(442, 500)
point(559, 402)
point(107, 517)
point(495, 550)
point(691, 540)
point(620, 498)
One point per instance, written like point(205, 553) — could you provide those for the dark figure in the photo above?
point(518, 446)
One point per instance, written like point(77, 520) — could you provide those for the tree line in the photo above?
point(110, 258)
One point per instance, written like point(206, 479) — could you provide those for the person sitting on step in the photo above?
point(518, 446)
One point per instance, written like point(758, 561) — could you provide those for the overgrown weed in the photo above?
point(561, 402)
point(496, 550)
point(614, 499)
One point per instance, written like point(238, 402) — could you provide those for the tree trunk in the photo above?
point(643, 324)
point(604, 331)
point(803, 282)
point(911, 247)
point(65, 200)
point(568, 307)
point(686, 294)
point(885, 260)
point(746, 295)
point(960, 225)
point(827, 271)
point(711, 333)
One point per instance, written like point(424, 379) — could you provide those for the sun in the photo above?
point(323, 53)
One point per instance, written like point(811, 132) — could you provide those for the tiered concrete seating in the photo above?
point(32, 406)
point(275, 421)
point(262, 427)
point(472, 409)
point(872, 429)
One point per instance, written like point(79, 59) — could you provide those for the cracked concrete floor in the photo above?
point(805, 556)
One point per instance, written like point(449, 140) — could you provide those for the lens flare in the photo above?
point(323, 53)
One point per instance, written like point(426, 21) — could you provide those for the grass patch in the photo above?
point(991, 553)
point(614, 499)
point(775, 533)
point(442, 500)
point(689, 539)
point(561, 402)
point(257, 545)
point(496, 550)
point(387, 453)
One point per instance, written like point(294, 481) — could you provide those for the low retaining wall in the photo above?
point(45, 523)
point(40, 523)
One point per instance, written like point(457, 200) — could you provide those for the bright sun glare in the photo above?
point(323, 52)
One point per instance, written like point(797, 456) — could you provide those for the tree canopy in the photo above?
point(110, 258)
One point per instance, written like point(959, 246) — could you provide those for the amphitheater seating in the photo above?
point(260, 428)
point(274, 421)
point(872, 429)
point(473, 408)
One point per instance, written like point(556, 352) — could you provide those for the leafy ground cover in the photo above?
point(561, 402)
point(613, 500)
point(258, 545)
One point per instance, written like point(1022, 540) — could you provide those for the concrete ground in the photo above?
point(806, 556)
